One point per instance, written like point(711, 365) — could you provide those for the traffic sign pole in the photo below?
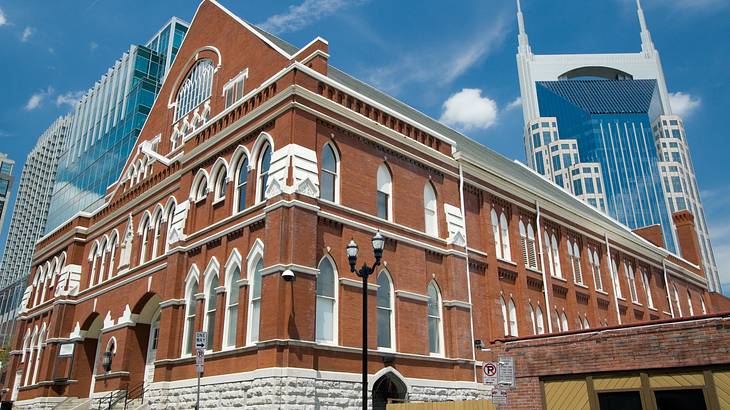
point(201, 339)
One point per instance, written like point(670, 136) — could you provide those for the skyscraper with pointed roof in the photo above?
point(601, 126)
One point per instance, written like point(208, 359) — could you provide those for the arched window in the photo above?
point(574, 255)
point(533, 320)
point(169, 219)
point(540, 321)
point(384, 194)
point(512, 311)
point(596, 264)
point(564, 322)
point(211, 277)
point(26, 344)
point(647, 288)
point(505, 316)
point(113, 243)
point(241, 184)
point(32, 346)
point(201, 189)
point(614, 276)
point(42, 284)
point(326, 319)
point(504, 228)
point(233, 277)
point(144, 233)
point(254, 310)
point(156, 231)
point(527, 239)
point(38, 353)
point(558, 272)
point(496, 234)
point(92, 263)
point(689, 303)
point(676, 300)
point(631, 279)
point(221, 182)
point(102, 260)
point(263, 170)
point(385, 316)
point(586, 326)
point(196, 88)
point(328, 177)
point(190, 312)
point(430, 209)
point(702, 305)
point(435, 325)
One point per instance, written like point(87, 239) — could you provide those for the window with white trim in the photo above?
point(647, 287)
point(211, 304)
point(384, 306)
point(241, 183)
point(430, 209)
point(326, 307)
point(190, 313)
point(557, 271)
point(574, 255)
point(596, 266)
point(512, 311)
point(533, 320)
point(329, 174)
point(195, 89)
point(702, 305)
point(255, 301)
point(689, 303)
point(631, 279)
point(233, 276)
point(676, 300)
point(564, 322)
point(540, 324)
point(527, 240)
point(233, 90)
point(144, 233)
point(384, 194)
point(614, 275)
point(263, 171)
point(435, 324)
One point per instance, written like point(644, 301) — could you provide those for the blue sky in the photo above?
point(421, 52)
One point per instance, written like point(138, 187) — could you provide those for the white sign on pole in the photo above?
point(201, 339)
point(199, 360)
point(499, 396)
point(489, 371)
point(506, 371)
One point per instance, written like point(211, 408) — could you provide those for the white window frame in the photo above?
point(212, 273)
point(440, 318)
point(430, 210)
point(496, 232)
point(335, 173)
point(240, 78)
point(647, 288)
point(334, 299)
point(233, 263)
point(195, 89)
point(255, 255)
point(504, 232)
point(390, 309)
point(384, 183)
point(260, 176)
point(191, 287)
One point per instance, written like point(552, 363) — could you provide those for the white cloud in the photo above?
point(469, 110)
point(27, 32)
point(37, 99)
point(438, 64)
point(699, 5)
point(301, 15)
point(3, 19)
point(70, 98)
point(514, 104)
point(684, 104)
point(93, 46)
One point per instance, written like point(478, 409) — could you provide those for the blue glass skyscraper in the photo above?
point(107, 121)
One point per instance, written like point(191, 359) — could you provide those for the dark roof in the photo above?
point(605, 96)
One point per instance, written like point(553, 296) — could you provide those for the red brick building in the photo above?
point(259, 158)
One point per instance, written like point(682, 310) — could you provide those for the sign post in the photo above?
point(201, 339)
point(490, 373)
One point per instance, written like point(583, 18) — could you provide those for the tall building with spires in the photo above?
point(601, 126)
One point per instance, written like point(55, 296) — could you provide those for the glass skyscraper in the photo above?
point(6, 185)
point(107, 121)
point(601, 126)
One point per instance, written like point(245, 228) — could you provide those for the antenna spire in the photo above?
point(646, 44)
point(522, 40)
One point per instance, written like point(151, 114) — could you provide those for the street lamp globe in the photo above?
point(378, 245)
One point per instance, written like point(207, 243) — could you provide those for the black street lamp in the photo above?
point(378, 243)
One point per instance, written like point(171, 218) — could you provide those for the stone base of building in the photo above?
point(297, 389)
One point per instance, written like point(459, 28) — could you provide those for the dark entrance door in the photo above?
point(387, 387)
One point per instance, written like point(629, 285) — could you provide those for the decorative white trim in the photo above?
point(357, 284)
point(280, 267)
point(412, 296)
point(457, 303)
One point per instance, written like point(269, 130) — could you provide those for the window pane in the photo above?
point(326, 279)
point(325, 316)
point(384, 328)
point(255, 313)
point(433, 335)
point(680, 399)
point(257, 279)
point(382, 199)
point(327, 186)
point(629, 400)
point(232, 323)
point(328, 159)
point(383, 295)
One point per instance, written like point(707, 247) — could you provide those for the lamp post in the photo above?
point(378, 243)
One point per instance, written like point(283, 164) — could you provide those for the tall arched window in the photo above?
point(38, 353)
point(211, 277)
point(435, 324)
point(220, 175)
point(574, 255)
point(496, 233)
point(676, 300)
point(241, 184)
point(689, 303)
point(647, 287)
point(512, 311)
point(540, 321)
point(169, 219)
point(233, 276)
point(263, 170)
point(102, 259)
point(557, 271)
point(596, 265)
point(33, 341)
point(586, 325)
point(527, 239)
point(557, 321)
point(113, 243)
point(144, 233)
point(564, 322)
point(326, 319)
point(385, 316)
point(505, 316)
point(190, 312)
point(196, 88)
point(631, 279)
point(254, 311)
point(328, 177)
point(430, 210)
point(92, 263)
point(156, 231)
point(532, 318)
point(614, 276)
point(504, 228)
point(384, 194)
point(702, 305)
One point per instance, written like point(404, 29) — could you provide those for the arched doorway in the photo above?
point(389, 387)
point(149, 367)
point(91, 346)
point(148, 333)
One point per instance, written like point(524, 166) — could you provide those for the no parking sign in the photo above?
point(489, 371)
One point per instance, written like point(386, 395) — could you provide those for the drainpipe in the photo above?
point(666, 287)
point(614, 276)
point(468, 273)
point(544, 274)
